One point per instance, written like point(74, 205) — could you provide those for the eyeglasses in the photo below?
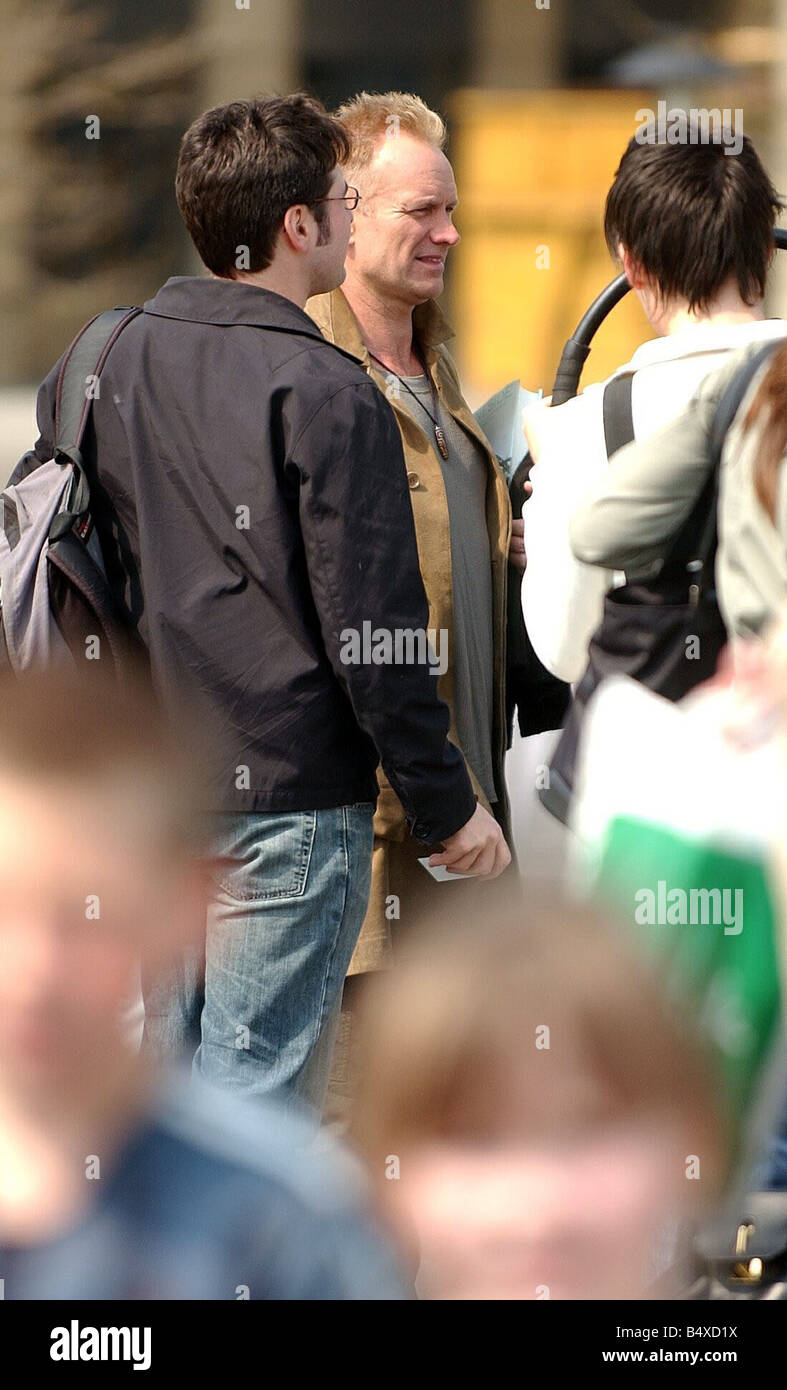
point(350, 199)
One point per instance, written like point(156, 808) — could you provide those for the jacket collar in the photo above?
point(339, 325)
point(704, 337)
point(333, 315)
point(203, 299)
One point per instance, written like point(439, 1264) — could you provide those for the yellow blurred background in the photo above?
point(540, 100)
point(533, 172)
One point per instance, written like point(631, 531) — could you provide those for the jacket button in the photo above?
point(413, 480)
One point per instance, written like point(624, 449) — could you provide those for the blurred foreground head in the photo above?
point(97, 800)
point(534, 1117)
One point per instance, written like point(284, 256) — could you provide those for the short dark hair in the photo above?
point(243, 165)
point(692, 215)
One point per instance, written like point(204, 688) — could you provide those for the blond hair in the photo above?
point(437, 1032)
point(371, 117)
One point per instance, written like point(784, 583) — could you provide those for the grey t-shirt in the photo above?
point(465, 477)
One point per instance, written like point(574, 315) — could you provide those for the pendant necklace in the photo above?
point(440, 438)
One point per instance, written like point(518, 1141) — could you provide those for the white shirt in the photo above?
point(563, 599)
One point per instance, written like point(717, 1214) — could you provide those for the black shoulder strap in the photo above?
point(81, 367)
point(732, 399)
point(726, 410)
point(82, 364)
point(618, 419)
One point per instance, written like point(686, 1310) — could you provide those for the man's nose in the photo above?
point(446, 235)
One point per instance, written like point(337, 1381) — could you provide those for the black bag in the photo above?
point(646, 627)
point(56, 605)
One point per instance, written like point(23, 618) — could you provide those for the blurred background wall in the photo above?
point(541, 98)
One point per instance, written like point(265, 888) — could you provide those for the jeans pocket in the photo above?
point(264, 858)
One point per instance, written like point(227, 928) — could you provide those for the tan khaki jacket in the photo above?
point(337, 322)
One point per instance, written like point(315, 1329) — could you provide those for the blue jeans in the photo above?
point(290, 894)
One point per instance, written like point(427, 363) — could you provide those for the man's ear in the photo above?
point(295, 227)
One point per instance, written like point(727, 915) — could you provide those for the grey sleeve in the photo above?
point(649, 488)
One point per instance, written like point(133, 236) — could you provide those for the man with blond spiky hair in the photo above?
point(385, 312)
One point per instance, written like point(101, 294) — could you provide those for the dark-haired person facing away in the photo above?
point(117, 1180)
point(693, 226)
point(253, 506)
point(647, 494)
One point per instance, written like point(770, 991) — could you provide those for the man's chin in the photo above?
point(330, 282)
point(430, 281)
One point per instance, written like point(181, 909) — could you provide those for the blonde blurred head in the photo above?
point(528, 1105)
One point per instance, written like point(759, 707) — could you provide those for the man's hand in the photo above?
point(477, 848)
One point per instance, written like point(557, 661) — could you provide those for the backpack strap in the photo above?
point(84, 360)
point(732, 399)
point(618, 419)
point(726, 410)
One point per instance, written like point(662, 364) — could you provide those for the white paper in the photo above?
point(440, 873)
point(501, 420)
